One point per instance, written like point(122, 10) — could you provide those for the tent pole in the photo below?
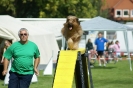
point(63, 43)
point(126, 41)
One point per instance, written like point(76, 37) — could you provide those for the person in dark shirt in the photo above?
point(90, 48)
point(89, 45)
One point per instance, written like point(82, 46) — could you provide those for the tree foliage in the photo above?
point(50, 8)
point(7, 7)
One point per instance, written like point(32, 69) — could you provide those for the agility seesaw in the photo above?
point(72, 64)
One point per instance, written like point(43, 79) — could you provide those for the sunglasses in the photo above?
point(23, 34)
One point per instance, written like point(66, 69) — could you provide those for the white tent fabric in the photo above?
point(52, 26)
point(45, 40)
point(102, 24)
point(121, 39)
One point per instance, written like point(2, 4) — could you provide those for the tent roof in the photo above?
point(100, 24)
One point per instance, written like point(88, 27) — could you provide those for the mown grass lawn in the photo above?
point(112, 76)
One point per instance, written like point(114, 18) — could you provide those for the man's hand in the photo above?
point(4, 72)
point(36, 62)
point(36, 71)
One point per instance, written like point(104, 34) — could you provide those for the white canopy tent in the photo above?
point(45, 40)
point(102, 24)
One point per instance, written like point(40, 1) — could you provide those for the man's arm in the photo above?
point(36, 63)
point(6, 63)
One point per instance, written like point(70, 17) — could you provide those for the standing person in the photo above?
point(106, 51)
point(90, 48)
point(111, 48)
point(5, 44)
point(22, 68)
point(117, 49)
point(99, 42)
point(111, 51)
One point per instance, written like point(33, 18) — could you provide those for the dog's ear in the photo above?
point(78, 21)
point(67, 19)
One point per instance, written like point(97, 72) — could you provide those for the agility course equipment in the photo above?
point(71, 64)
point(49, 68)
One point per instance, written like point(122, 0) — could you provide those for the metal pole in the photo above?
point(89, 69)
point(127, 46)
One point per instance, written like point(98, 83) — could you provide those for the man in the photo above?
point(22, 68)
point(99, 42)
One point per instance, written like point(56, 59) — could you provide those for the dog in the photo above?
point(72, 32)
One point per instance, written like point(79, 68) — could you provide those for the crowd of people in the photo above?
point(104, 55)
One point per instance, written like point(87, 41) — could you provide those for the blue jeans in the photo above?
point(19, 81)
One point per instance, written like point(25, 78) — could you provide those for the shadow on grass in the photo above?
point(98, 67)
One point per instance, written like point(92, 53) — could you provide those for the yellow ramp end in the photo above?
point(65, 68)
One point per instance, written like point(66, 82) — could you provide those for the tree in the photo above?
point(7, 7)
point(98, 4)
point(50, 8)
point(26, 8)
point(63, 8)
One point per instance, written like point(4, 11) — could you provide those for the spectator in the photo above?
point(107, 45)
point(22, 68)
point(91, 51)
point(117, 50)
point(106, 51)
point(7, 43)
point(111, 51)
point(4, 46)
point(111, 48)
point(99, 42)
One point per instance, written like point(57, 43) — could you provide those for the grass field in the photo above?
point(112, 76)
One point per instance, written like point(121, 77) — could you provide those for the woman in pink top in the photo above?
point(111, 45)
point(117, 49)
point(111, 51)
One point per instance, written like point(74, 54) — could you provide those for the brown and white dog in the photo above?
point(72, 32)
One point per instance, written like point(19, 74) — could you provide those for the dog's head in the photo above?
point(71, 22)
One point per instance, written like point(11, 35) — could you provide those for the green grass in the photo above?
point(112, 76)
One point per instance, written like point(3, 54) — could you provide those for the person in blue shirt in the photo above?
point(99, 42)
